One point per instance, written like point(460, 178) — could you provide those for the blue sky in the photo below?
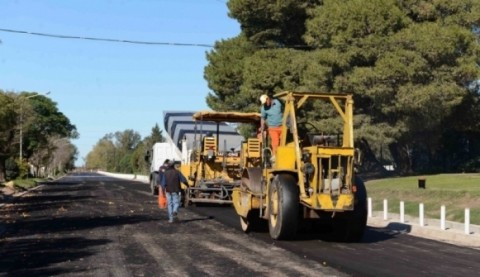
point(104, 87)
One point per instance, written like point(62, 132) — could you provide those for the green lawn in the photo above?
point(455, 191)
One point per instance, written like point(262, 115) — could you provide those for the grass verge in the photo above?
point(455, 191)
point(18, 185)
point(26, 184)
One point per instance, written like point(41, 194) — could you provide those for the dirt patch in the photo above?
point(472, 202)
point(6, 193)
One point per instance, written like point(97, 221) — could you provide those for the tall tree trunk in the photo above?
point(402, 157)
point(2, 169)
point(370, 166)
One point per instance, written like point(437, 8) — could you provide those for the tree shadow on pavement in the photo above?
point(55, 225)
point(55, 229)
point(41, 202)
point(39, 247)
point(43, 257)
point(57, 188)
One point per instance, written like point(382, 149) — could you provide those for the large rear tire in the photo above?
point(283, 207)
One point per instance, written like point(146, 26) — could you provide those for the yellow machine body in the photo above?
point(321, 167)
point(212, 171)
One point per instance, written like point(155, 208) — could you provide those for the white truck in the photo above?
point(156, 157)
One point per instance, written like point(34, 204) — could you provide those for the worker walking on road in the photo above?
point(170, 181)
point(271, 118)
point(161, 171)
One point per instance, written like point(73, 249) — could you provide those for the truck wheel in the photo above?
point(350, 226)
point(283, 207)
point(153, 184)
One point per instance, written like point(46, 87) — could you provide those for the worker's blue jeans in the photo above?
point(173, 203)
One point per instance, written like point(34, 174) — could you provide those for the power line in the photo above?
point(157, 43)
point(107, 39)
point(133, 41)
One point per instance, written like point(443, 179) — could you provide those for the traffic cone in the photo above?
point(162, 199)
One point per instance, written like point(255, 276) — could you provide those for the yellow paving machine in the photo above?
point(312, 179)
point(212, 169)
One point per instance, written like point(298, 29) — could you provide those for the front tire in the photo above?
point(283, 207)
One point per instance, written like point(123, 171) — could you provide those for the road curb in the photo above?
point(450, 235)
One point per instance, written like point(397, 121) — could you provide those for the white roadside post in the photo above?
point(369, 207)
point(442, 217)
point(385, 209)
point(421, 215)
point(467, 221)
point(402, 212)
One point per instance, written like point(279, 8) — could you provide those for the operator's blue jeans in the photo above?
point(173, 203)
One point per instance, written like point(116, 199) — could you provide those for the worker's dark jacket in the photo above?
point(161, 170)
point(171, 180)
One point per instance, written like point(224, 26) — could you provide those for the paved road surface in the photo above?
point(89, 225)
point(382, 252)
point(100, 226)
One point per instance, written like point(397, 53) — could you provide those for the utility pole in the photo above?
point(21, 121)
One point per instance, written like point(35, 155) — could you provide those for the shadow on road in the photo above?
point(307, 231)
point(34, 257)
point(195, 219)
point(63, 187)
point(46, 231)
point(38, 202)
point(27, 227)
point(371, 234)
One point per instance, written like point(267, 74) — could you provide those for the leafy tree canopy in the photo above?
point(34, 121)
point(155, 136)
point(409, 64)
point(272, 23)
